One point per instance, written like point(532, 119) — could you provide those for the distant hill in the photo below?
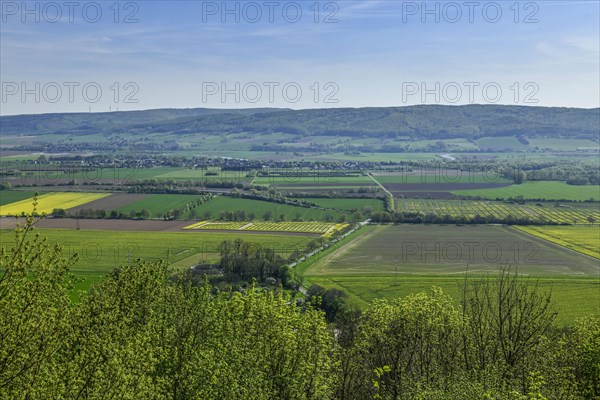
point(417, 122)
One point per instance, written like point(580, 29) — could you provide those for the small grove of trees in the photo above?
point(248, 261)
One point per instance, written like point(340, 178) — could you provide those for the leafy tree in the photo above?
point(506, 318)
point(586, 337)
point(417, 338)
point(177, 213)
point(59, 213)
point(519, 177)
point(35, 305)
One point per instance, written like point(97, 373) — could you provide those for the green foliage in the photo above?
point(543, 190)
point(587, 340)
point(241, 260)
point(424, 121)
point(417, 338)
point(34, 307)
point(145, 332)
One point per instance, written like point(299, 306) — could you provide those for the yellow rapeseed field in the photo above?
point(50, 201)
point(581, 238)
point(325, 228)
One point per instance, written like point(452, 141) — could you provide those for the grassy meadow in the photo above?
point(438, 176)
point(12, 196)
point(312, 180)
point(538, 190)
point(572, 297)
point(159, 204)
point(348, 204)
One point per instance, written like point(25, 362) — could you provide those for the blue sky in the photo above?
point(185, 54)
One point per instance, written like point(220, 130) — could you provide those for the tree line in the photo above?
point(411, 217)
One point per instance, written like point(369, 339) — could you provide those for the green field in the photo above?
point(391, 261)
point(512, 143)
point(538, 190)
point(312, 180)
point(573, 297)
point(374, 157)
point(11, 196)
point(501, 142)
point(31, 173)
point(569, 214)
point(439, 250)
point(348, 204)
point(159, 204)
point(438, 176)
point(562, 144)
point(259, 208)
point(20, 157)
point(330, 188)
point(200, 174)
point(102, 251)
point(453, 144)
point(581, 238)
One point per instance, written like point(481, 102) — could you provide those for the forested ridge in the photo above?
point(146, 332)
point(416, 122)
